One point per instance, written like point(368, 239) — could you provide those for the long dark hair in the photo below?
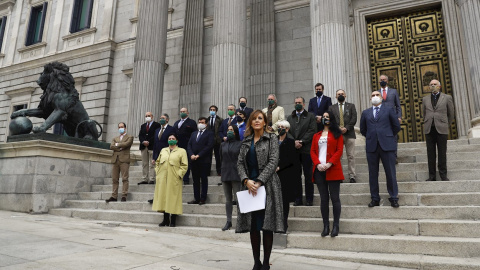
point(333, 127)
point(235, 130)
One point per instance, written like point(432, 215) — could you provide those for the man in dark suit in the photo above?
point(199, 150)
point(392, 99)
point(346, 116)
point(302, 128)
point(146, 146)
point(319, 104)
point(184, 129)
point(231, 119)
point(379, 124)
point(243, 107)
point(214, 121)
point(161, 136)
point(438, 115)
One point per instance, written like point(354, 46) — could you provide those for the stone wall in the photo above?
point(38, 175)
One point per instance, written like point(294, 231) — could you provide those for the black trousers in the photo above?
point(200, 180)
point(436, 141)
point(218, 164)
point(328, 190)
point(306, 162)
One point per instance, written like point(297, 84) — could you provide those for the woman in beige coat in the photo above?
point(171, 165)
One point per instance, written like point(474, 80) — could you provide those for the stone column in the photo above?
point(262, 52)
point(470, 10)
point(229, 52)
point(332, 46)
point(192, 59)
point(149, 63)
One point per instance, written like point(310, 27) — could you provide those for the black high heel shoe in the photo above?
point(257, 266)
point(335, 231)
point(227, 226)
point(166, 220)
point(326, 230)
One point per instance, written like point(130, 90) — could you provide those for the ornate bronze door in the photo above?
point(411, 51)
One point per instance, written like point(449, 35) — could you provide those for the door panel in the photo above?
point(411, 51)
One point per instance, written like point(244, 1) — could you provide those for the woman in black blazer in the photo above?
point(288, 169)
point(229, 151)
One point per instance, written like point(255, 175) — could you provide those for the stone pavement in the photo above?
point(53, 242)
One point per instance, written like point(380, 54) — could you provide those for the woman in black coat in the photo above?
point(288, 169)
point(229, 151)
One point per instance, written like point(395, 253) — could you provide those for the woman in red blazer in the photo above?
point(326, 151)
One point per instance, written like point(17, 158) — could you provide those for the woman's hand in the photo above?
point(252, 187)
point(324, 167)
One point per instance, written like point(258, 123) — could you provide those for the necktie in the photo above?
point(181, 122)
point(229, 121)
point(148, 126)
point(384, 94)
point(376, 112)
point(212, 121)
point(341, 115)
point(161, 133)
point(318, 101)
point(199, 135)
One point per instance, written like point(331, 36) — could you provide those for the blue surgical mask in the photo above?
point(212, 113)
point(121, 130)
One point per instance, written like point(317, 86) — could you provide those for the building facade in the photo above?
point(132, 56)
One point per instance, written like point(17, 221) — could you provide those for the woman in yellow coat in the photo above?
point(171, 165)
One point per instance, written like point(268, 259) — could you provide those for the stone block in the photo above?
point(301, 32)
point(24, 184)
point(72, 184)
point(100, 170)
point(44, 184)
point(20, 165)
point(298, 43)
point(16, 202)
point(8, 183)
point(283, 16)
point(77, 168)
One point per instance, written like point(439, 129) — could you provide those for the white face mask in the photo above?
point(201, 126)
point(148, 119)
point(376, 100)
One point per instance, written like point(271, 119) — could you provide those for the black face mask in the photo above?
point(319, 93)
point(325, 121)
point(341, 98)
point(243, 104)
point(383, 83)
point(282, 132)
point(239, 119)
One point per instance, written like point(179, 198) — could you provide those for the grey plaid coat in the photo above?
point(267, 150)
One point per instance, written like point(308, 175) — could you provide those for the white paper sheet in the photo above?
point(248, 203)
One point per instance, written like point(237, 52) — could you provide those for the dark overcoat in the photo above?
point(267, 151)
point(229, 151)
point(289, 172)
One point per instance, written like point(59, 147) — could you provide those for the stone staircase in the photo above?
point(436, 226)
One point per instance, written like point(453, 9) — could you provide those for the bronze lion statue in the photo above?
point(59, 103)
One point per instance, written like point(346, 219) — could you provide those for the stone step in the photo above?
point(457, 228)
point(346, 188)
point(413, 261)
point(420, 166)
point(426, 245)
point(403, 152)
point(473, 154)
point(406, 244)
point(348, 211)
point(405, 199)
point(404, 212)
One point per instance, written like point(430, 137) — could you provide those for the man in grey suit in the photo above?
point(438, 115)
point(391, 99)
point(346, 116)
